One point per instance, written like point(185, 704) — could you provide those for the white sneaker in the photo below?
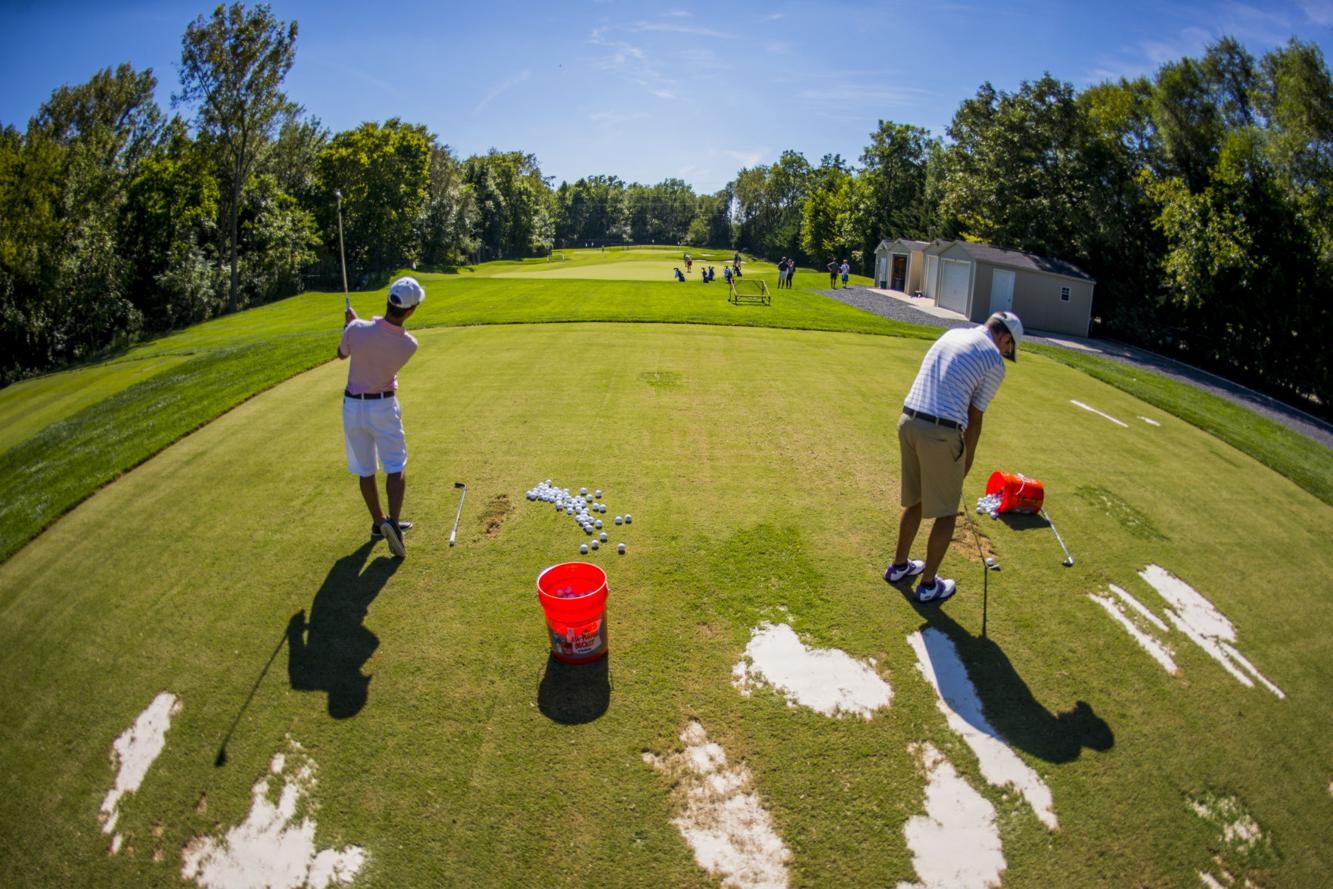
point(393, 537)
point(895, 573)
point(942, 589)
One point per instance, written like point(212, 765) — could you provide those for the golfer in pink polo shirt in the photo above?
point(372, 420)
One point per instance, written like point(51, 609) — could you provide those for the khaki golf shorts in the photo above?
point(933, 466)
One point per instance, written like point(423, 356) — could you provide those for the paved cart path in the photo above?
point(902, 308)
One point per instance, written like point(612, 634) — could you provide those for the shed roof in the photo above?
point(915, 245)
point(1016, 259)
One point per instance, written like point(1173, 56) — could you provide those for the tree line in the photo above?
point(1200, 199)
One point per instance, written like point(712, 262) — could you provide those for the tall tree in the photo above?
point(233, 65)
point(894, 180)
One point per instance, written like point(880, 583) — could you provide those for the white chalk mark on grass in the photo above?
point(1158, 651)
point(132, 753)
point(1242, 841)
point(938, 661)
point(1088, 407)
point(826, 680)
point(1149, 420)
point(1139, 607)
point(1205, 626)
point(721, 817)
point(956, 844)
point(267, 849)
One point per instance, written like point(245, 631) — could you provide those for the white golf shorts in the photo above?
point(373, 431)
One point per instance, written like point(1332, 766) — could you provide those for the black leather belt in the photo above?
point(930, 418)
point(370, 396)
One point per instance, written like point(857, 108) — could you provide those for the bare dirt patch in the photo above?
point(494, 515)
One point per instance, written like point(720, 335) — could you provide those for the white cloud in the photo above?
point(746, 157)
point(1319, 11)
point(664, 94)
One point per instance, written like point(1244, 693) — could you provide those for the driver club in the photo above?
point(460, 511)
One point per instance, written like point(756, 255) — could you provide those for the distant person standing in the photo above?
point(782, 273)
point(846, 270)
point(938, 434)
point(372, 419)
point(833, 274)
point(791, 271)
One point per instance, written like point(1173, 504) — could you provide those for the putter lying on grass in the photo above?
point(1069, 560)
point(461, 498)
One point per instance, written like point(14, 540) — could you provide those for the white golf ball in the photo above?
point(583, 491)
point(602, 537)
point(618, 520)
point(628, 518)
point(599, 493)
point(595, 544)
point(598, 523)
point(620, 548)
point(583, 548)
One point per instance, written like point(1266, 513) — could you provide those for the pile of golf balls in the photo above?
point(581, 507)
point(990, 504)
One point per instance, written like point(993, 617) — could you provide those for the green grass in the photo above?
point(1306, 462)
point(761, 469)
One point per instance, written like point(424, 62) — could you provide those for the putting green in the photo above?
point(761, 469)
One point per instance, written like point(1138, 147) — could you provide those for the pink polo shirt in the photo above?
point(377, 351)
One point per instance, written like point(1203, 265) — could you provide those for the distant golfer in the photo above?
point(846, 269)
point(372, 420)
point(937, 437)
point(833, 274)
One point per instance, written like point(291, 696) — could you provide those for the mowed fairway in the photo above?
point(761, 470)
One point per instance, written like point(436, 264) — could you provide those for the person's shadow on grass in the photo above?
point(327, 653)
point(1013, 713)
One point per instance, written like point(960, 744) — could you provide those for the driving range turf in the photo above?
point(761, 467)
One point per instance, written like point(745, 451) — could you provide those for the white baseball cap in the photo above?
point(406, 293)
point(1015, 328)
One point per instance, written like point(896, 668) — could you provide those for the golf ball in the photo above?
point(602, 537)
point(599, 493)
point(618, 520)
point(595, 544)
point(990, 563)
point(583, 491)
point(583, 548)
point(598, 523)
point(628, 518)
point(620, 548)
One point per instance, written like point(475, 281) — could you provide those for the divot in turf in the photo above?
point(132, 753)
point(826, 680)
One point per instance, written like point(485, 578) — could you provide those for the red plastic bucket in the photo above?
point(1018, 493)
point(573, 595)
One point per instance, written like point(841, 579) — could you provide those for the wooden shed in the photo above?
point(899, 264)
point(978, 279)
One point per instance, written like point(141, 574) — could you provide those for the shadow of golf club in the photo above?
point(573, 694)
point(327, 652)
point(1007, 702)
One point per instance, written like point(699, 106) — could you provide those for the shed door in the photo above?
point(899, 279)
point(881, 272)
point(955, 277)
point(932, 266)
point(1001, 290)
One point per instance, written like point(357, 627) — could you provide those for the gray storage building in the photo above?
point(898, 264)
point(978, 279)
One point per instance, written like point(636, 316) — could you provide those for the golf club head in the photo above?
point(1069, 562)
point(460, 485)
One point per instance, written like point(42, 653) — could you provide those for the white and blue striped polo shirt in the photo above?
point(963, 367)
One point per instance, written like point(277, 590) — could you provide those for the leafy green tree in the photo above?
point(383, 172)
point(893, 177)
point(168, 233)
point(232, 67)
point(448, 228)
point(515, 204)
point(830, 213)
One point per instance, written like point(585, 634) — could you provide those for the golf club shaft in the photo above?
point(461, 498)
point(1069, 560)
point(342, 257)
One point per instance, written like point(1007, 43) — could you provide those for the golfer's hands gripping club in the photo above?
point(349, 315)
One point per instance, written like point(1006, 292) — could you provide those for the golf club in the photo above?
point(342, 258)
point(461, 498)
point(1069, 560)
point(987, 566)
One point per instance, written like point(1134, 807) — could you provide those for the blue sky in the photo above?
point(648, 91)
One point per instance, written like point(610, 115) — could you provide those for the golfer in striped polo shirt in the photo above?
point(938, 434)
